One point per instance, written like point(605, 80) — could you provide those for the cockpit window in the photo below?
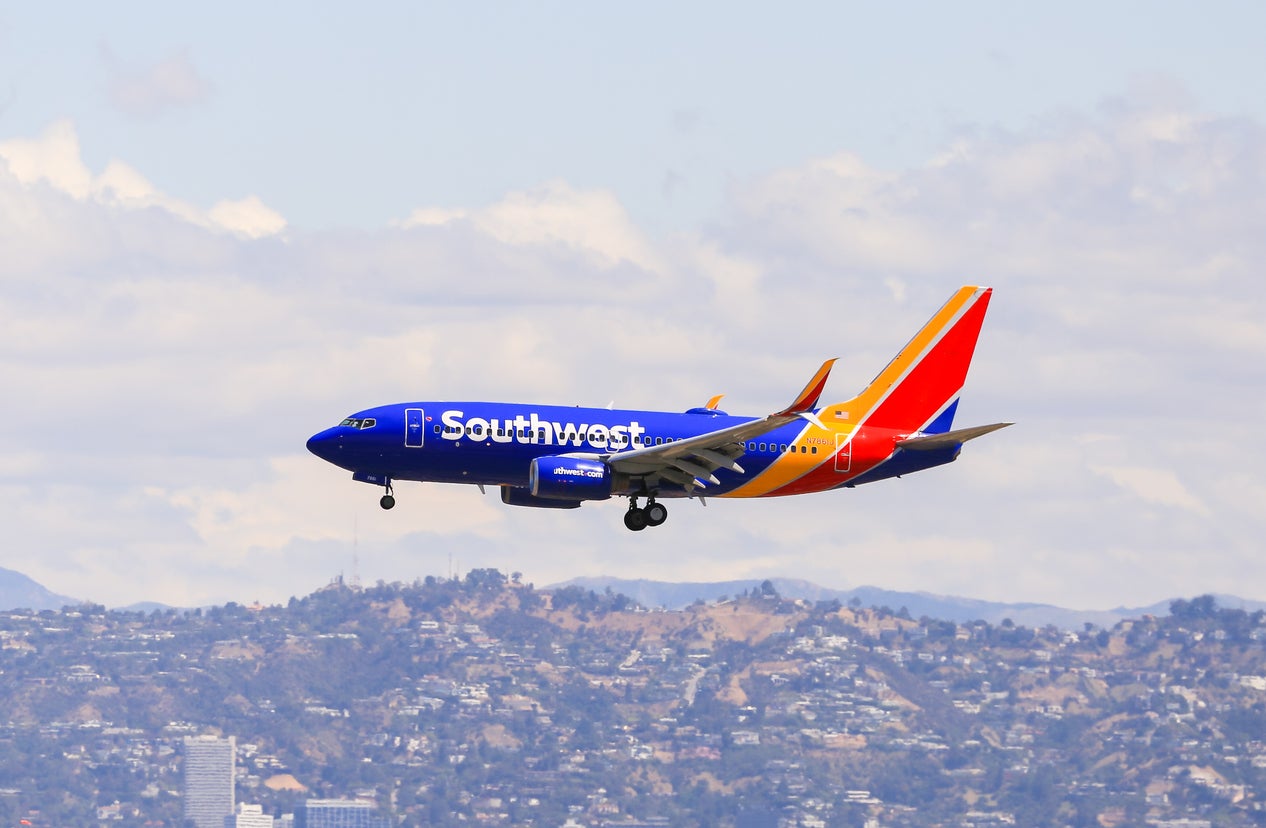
point(359, 422)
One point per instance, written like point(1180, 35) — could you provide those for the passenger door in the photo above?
point(414, 428)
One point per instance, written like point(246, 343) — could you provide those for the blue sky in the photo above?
point(339, 117)
point(224, 229)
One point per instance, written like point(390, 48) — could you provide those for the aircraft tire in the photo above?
point(635, 519)
point(656, 514)
point(387, 501)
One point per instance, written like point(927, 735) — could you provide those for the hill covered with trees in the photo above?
point(485, 700)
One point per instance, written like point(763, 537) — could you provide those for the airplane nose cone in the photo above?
point(325, 444)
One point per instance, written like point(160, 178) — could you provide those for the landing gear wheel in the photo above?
point(387, 501)
point(635, 519)
point(656, 513)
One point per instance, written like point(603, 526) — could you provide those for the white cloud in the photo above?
point(248, 216)
point(556, 214)
point(1160, 486)
point(149, 91)
point(170, 362)
point(54, 159)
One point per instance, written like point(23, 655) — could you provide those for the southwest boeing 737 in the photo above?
point(558, 457)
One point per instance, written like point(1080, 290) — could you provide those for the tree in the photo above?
point(1199, 608)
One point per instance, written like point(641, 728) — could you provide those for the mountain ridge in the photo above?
point(675, 595)
point(18, 591)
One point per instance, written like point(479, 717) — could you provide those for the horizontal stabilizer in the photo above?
point(949, 438)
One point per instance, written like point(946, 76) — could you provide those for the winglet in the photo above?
point(808, 398)
point(714, 402)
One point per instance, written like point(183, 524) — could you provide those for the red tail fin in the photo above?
point(919, 389)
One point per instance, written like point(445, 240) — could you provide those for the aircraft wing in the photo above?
point(691, 461)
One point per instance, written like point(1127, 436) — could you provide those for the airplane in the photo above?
point(558, 457)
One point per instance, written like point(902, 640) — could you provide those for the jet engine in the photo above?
point(560, 477)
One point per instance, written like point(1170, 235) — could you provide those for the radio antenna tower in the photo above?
point(356, 552)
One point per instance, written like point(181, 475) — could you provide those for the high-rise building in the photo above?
point(209, 762)
point(342, 813)
point(249, 816)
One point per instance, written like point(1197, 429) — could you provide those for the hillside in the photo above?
point(483, 701)
point(918, 604)
point(17, 591)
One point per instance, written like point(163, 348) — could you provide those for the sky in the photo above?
point(224, 229)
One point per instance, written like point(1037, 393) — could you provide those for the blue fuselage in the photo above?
point(495, 443)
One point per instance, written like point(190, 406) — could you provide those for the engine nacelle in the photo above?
point(515, 496)
point(559, 477)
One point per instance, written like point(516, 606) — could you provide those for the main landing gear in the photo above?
point(638, 519)
point(388, 500)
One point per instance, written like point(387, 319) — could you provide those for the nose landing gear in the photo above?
point(377, 479)
point(638, 519)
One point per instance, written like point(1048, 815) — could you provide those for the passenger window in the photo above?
point(814, 449)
